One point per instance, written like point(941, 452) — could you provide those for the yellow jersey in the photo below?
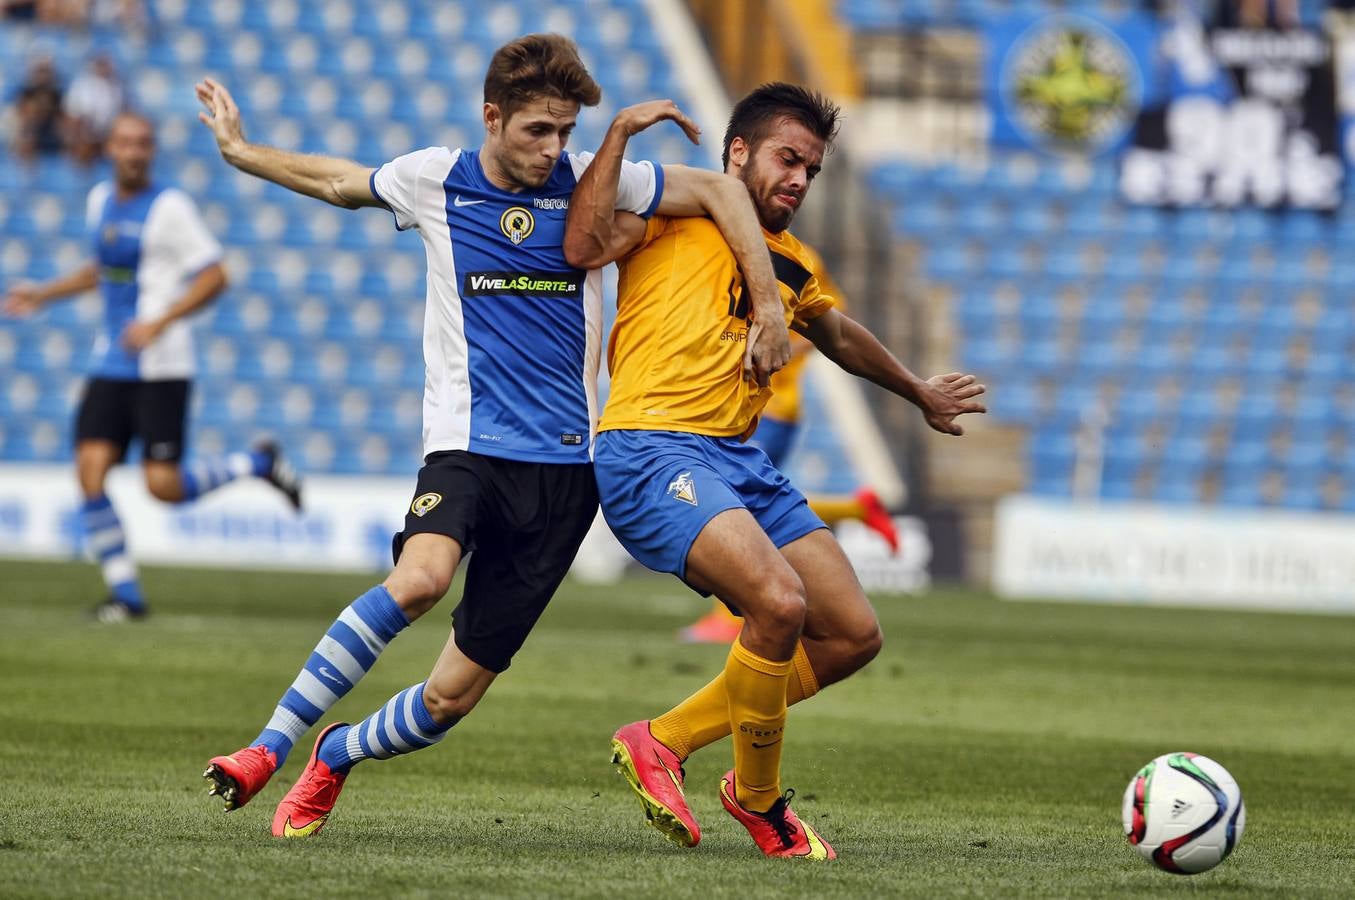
point(784, 404)
point(677, 347)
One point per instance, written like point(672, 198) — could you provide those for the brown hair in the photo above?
point(538, 65)
point(755, 115)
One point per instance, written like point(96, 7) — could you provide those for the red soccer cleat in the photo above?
point(719, 626)
point(656, 774)
point(306, 808)
point(875, 517)
point(237, 777)
point(778, 831)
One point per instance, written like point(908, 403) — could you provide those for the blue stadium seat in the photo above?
point(1177, 487)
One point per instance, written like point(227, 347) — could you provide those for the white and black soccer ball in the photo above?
point(1184, 813)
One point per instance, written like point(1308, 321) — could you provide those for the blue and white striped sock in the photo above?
point(203, 475)
point(105, 541)
point(343, 656)
point(402, 726)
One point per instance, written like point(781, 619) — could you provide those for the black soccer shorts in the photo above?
point(521, 522)
point(153, 411)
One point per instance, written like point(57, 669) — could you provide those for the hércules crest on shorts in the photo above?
point(683, 488)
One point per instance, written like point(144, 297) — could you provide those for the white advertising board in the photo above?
point(347, 526)
point(1191, 556)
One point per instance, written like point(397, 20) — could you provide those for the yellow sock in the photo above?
point(803, 683)
point(757, 715)
point(703, 718)
point(836, 508)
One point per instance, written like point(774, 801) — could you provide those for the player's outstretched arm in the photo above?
point(849, 344)
point(24, 298)
point(340, 182)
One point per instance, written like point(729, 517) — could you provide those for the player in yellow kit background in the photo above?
point(685, 494)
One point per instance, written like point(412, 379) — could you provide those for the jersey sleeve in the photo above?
point(193, 245)
point(639, 189)
point(396, 184)
point(653, 228)
point(94, 204)
point(813, 301)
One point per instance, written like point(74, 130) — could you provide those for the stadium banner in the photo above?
point(347, 527)
point(1047, 549)
point(1249, 118)
point(1067, 83)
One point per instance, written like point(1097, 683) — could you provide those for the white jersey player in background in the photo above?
point(155, 264)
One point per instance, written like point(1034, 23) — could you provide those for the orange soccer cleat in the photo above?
point(656, 775)
point(238, 776)
point(778, 831)
point(306, 808)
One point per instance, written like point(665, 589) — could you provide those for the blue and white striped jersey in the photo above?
point(149, 247)
point(512, 333)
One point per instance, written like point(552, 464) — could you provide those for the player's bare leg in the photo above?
point(733, 558)
point(841, 632)
point(163, 481)
point(94, 459)
point(732, 554)
point(348, 650)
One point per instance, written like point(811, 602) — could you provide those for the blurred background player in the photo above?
point(775, 434)
point(155, 264)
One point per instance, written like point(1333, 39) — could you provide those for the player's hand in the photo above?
point(948, 396)
point(22, 300)
point(140, 335)
point(635, 119)
point(767, 353)
point(221, 115)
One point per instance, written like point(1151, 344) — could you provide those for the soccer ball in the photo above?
point(1184, 813)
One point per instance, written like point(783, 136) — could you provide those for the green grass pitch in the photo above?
point(983, 754)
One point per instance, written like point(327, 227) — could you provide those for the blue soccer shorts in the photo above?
point(775, 437)
point(660, 488)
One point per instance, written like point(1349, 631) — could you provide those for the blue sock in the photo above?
point(202, 476)
point(103, 538)
point(346, 652)
point(402, 726)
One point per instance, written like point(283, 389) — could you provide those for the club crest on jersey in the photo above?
point(683, 488)
point(517, 223)
point(424, 503)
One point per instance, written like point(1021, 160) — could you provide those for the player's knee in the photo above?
point(163, 487)
point(866, 646)
point(417, 589)
point(781, 607)
point(91, 473)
